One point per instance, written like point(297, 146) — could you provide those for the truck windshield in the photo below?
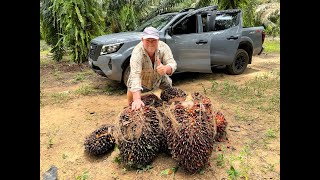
point(157, 22)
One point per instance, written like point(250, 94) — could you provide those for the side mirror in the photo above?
point(169, 30)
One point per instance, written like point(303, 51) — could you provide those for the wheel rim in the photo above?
point(240, 62)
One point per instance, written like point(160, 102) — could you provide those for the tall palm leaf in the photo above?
point(79, 21)
point(231, 4)
point(248, 13)
point(50, 29)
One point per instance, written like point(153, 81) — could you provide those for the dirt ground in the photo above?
point(66, 118)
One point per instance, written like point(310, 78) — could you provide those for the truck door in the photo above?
point(226, 37)
point(189, 45)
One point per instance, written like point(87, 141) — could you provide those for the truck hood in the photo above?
point(121, 37)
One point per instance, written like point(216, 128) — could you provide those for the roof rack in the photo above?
point(186, 9)
point(229, 11)
point(166, 12)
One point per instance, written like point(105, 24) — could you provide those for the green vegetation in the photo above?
point(233, 173)
point(254, 93)
point(270, 133)
point(109, 90)
point(80, 76)
point(60, 97)
point(84, 90)
point(83, 176)
point(220, 161)
point(67, 26)
point(271, 45)
point(50, 143)
point(169, 171)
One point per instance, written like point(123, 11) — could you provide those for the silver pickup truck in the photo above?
point(199, 39)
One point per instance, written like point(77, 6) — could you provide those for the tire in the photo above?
point(239, 63)
point(125, 75)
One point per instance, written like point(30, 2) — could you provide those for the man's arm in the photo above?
point(134, 83)
point(168, 60)
point(163, 69)
point(137, 102)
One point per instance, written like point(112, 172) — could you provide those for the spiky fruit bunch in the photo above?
point(204, 102)
point(173, 95)
point(190, 135)
point(100, 140)
point(163, 133)
point(221, 124)
point(151, 99)
point(139, 136)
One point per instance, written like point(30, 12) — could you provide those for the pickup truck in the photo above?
point(199, 39)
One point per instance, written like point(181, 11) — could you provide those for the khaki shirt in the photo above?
point(143, 72)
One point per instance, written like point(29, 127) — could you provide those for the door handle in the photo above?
point(232, 37)
point(201, 42)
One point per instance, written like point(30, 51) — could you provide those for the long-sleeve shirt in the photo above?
point(143, 72)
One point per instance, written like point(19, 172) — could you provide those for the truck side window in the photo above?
point(187, 26)
point(205, 20)
point(225, 21)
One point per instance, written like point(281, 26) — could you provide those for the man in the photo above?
point(151, 65)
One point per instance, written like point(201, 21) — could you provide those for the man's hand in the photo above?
point(137, 104)
point(161, 69)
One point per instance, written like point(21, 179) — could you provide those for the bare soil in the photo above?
point(66, 118)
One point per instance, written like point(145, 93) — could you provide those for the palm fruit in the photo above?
point(221, 124)
point(205, 102)
point(206, 106)
point(190, 134)
point(100, 140)
point(173, 95)
point(151, 99)
point(139, 136)
point(163, 136)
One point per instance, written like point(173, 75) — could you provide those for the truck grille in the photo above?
point(94, 51)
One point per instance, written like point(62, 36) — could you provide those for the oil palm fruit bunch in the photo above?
point(221, 124)
point(100, 140)
point(190, 135)
point(163, 133)
point(151, 99)
point(204, 102)
point(139, 136)
point(173, 94)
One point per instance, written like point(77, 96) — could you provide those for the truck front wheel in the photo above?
point(239, 64)
point(125, 75)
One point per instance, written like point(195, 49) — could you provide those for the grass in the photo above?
point(83, 176)
point(256, 100)
point(84, 90)
point(220, 160)
point(261, 93)
point(110, 90)
point(60, 97)
point(44, 46)
point(81, 76)
point(270, 133)
point(271, 45)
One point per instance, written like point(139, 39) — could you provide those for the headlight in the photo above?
point(110, 48)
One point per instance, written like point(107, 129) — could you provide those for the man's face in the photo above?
point(150, 45)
